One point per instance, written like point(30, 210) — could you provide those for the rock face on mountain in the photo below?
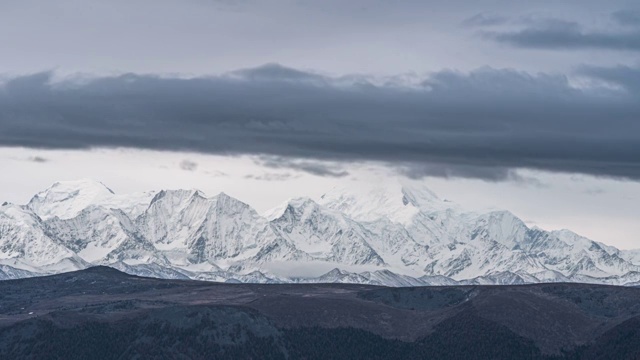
point(396, 233)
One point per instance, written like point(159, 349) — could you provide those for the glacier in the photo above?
point(395, 232)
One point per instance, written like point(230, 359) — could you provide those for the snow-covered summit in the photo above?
point(396, 199)
point(67, 199)
point(391, 232)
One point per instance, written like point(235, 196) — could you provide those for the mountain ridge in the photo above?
point(395, 233)
point(116, 313)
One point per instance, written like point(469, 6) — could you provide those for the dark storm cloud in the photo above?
point(568, 36)
point(623, 76)
point(561, 34)
point(311, 167)
point(627, 17)
point(270, 177)
point(38, 159)
point(481, 124)
point(449, 171)
point(188, 165)
point(494, 173)
point(276, 72)
point(484, 20)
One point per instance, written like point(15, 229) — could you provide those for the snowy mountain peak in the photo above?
point(87, 186)
point(222, 199)
point(176, 197)
point(399, 200)
point(417, 194)
point(391, 232)
point(17, 214)
point(290, 206)
point(66, 199)
point(277, 211)
point(303, 209)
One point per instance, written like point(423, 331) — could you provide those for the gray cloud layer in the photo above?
point(561, 34)
point(627, 17)
point(481, 124)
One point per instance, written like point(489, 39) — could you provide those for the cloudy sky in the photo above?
point(529, 106)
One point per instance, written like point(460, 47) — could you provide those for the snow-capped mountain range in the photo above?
point(395, 233)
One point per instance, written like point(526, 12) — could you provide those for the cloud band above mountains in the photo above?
point(558, 34)
point(481, 124)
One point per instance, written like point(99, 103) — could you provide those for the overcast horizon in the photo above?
point(533, 108)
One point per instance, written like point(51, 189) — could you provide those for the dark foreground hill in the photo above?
point(101, 313)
